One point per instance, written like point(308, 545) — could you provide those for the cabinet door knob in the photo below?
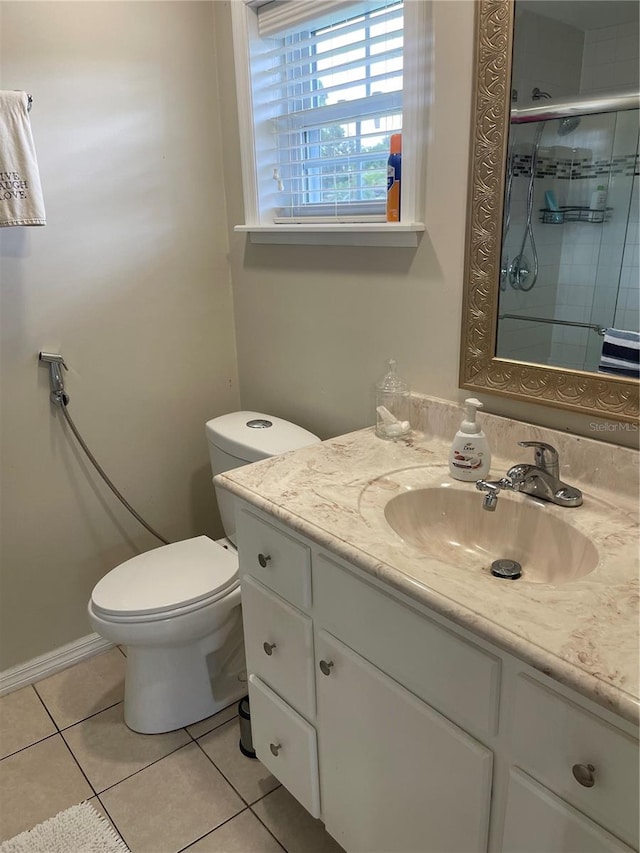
point(583, 774)
point(275, 748)
point(325, 667)
point(263, 559)
point(268, 648)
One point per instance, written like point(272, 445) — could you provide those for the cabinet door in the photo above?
point(537, 820)
point(395, 774)
point(419, 653)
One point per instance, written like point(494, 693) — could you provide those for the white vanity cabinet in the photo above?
point(279, 645)
point(538, 821)
point(396, 775)
point(403, 732)
point(568, 763)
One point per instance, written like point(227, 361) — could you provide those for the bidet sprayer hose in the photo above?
point(64, 401)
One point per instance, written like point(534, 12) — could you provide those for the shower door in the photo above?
point(569, 267)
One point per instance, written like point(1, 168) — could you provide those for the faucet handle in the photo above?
point(545, 456)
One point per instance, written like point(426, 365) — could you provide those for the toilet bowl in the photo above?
point(177, 608)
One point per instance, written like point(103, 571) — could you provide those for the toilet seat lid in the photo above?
point(165, 578)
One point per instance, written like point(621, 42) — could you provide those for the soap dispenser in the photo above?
point(470, 457)
point(392, 405)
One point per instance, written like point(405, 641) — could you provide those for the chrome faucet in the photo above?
point(540, 480)
point(492, 488)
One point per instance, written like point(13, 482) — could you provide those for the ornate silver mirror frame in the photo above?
point(480, 369)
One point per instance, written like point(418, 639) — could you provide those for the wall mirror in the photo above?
point(551, 311)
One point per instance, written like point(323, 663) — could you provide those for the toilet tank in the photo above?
point(243, 437)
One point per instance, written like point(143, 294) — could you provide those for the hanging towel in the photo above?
point(21, 200)
point(621, 353)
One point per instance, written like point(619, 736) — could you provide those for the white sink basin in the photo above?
point(450, 525)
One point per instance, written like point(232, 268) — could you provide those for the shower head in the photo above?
point(568, 125)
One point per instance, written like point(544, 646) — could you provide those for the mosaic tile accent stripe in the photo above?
point(579, 168)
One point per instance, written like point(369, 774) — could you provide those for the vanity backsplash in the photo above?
point(608, 467)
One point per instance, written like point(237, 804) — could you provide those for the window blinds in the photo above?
point(329, 87)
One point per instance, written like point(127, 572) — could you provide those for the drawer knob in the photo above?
point(325, 667)
point(583, 773)
point(275, 748)
point(268, 648)
point(263, 559)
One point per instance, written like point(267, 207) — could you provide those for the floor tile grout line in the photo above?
point(258, 818)
point(94, 714)
point(208, 732)
point(78, 763)
point(44, 705)
point(229, 782)
point(215, 829)
point(116, 827)
point(247, 809)
point(76, 722)
point(35, 743)
point(135, 772)
point(69, 669)
point(58, 730)
point(260, 799)
point(155, 761)
point(246, 805)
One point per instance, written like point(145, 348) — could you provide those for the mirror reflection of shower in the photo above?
point(570, 238)
point(570, 232)
point(522, 273)
point(568, 125)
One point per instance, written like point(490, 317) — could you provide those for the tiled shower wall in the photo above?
point(593, 254)
point(548, 55)
point(610, 60)
point(588, 271)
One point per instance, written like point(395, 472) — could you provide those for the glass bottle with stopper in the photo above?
point(392, 405)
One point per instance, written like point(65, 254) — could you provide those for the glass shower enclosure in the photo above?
point(569, 266)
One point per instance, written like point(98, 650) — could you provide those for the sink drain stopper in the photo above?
point(507, 569)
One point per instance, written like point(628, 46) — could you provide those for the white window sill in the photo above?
point(336, 234)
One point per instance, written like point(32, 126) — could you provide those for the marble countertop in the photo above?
point(583, 633)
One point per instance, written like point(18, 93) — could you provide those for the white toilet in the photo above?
point(177, 608)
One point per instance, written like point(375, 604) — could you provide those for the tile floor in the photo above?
point(63, 740)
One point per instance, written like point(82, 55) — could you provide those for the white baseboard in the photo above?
point(45, 665)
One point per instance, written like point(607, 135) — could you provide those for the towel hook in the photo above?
point(29, 102)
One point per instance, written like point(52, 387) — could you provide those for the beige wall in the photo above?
point(315, 326)
point(129, 280)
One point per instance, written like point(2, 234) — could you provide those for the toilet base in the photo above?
point(168, 688)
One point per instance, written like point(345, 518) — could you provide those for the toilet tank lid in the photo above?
point(252, 436)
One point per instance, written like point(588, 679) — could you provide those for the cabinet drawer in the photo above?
point(537, 820)
point(551, 735)
point(453, 676)
point(285, 744)
point(279, 645)
point(278, 561)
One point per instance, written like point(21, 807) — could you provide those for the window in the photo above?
point(322, 87)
